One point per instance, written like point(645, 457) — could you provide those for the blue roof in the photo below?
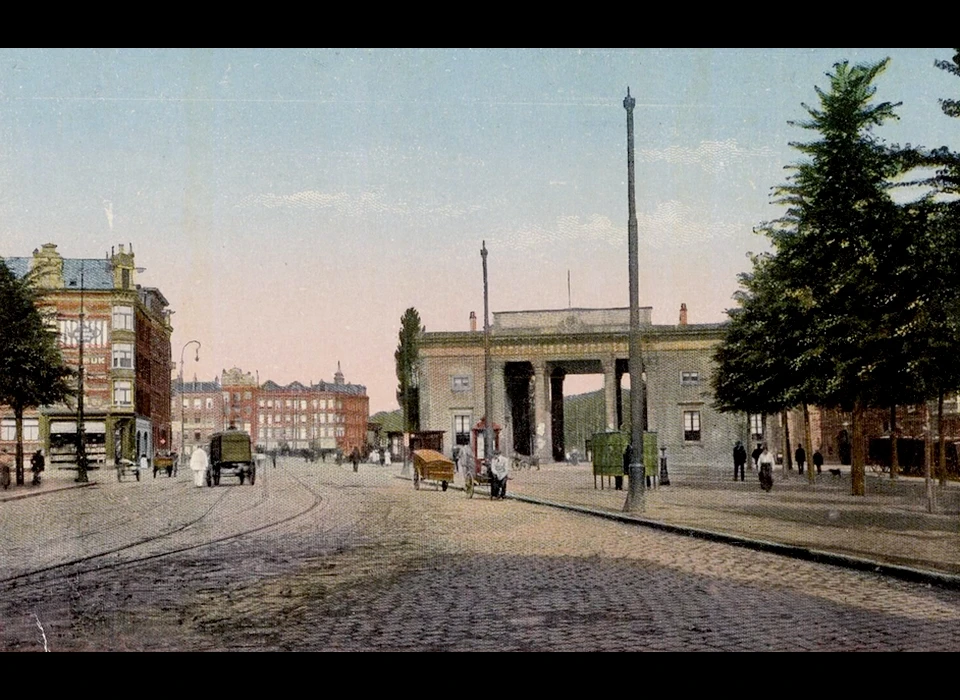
point(97, 272)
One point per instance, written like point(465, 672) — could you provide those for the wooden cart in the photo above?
point(430, 465)
point(165, 464)
point(126, 467)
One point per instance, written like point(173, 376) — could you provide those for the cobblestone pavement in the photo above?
point(433, 570)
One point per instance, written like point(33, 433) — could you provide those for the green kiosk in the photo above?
point(608, 449)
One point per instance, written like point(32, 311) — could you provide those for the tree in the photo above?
point(950, 107)
point(407, 358)
point(829, 301)
point(32, 372)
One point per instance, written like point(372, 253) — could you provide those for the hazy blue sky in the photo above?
point(290, 204)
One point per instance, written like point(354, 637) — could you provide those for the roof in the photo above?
point(97, 272)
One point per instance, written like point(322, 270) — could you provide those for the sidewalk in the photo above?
point(54, 479)
point(888, 529)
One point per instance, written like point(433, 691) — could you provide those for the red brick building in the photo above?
point(125, 331)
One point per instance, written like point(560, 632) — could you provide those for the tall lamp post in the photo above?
point(487, 385)
point(185, 345)
point(635, 493)
point(81, 432)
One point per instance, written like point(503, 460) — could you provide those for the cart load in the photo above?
point(430, 465)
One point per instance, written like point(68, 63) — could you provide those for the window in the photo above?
point(689, 377)
point(186, 403)
point(289, 403)
point(260, 403)
point(31, 429)
point(209, 403)
point(461, 429)
point(123, 393)
point(8, 429)
point(314, 403)
point(123, 318)
point(303, 405)
point(691, 426)
point(461, 383)
point(123, 355)
point(756, 426)
point(247, 395)
point(196, 436)
point(197, 403)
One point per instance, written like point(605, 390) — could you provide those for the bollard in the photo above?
point(664, 477)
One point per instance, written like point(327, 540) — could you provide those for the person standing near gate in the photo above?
point(818, 460)
point(739, 460)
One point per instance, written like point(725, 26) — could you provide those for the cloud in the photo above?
point(671, 224)
point(355, 205)
point(712, 156)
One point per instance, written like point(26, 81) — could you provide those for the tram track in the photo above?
point(113, 558)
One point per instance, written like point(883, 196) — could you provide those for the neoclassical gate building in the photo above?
point(533, 351)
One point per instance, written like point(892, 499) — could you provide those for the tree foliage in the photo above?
point(407, 357)
point(32, 372)
point(852, 307)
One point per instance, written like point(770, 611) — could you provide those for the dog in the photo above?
point(835, 472)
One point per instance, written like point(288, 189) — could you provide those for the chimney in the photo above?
point(683, 314)
point(473, 320)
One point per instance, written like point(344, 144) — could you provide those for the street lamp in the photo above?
point(188, 343)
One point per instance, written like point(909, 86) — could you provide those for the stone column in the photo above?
point(542, 442)
point(610, 392)
point(501, 411)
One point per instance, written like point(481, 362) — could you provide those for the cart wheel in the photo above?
point(443, 485)
point(468, 486)
point(138, 475)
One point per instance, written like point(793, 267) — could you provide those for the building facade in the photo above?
point(199, 408)
point(321, 417)
point(531, 354)
point(123, 331)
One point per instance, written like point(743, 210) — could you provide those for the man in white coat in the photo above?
point(198, 465)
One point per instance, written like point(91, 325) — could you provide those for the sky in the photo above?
point(290, 204)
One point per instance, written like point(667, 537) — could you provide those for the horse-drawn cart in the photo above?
point(164, 463)
point(430, 465)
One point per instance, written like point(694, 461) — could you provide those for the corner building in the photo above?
point(125, 329)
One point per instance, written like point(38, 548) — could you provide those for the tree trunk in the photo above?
point(787, 457)
point(18, 419)
point(857, 473)
point(808, 444)
point(894, 457)
point(941, 444)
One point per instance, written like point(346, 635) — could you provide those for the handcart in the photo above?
point(432, 466)
point(126, 467)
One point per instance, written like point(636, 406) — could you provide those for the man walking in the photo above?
point(739, 460)
point(801, 457)
point(818, 460)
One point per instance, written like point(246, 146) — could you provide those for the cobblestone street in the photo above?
point(380, 566)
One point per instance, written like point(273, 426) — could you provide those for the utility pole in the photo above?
point(81, 428)
point(636, 486)
point(487, 373)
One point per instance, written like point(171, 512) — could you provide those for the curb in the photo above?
point(40, 492)
point(904, 573)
